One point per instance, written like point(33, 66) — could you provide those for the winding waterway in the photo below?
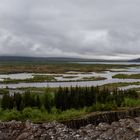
point(64, 82)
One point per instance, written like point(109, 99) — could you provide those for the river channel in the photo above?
point(64, 81)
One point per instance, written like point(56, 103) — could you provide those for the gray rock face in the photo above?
point(124, 129)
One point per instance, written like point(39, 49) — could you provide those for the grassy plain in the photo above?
point(57, 68)
point(127, 76)
point(36, 78)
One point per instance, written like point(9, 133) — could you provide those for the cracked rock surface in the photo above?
point(124, 129)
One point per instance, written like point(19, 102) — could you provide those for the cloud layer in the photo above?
point(103, 29)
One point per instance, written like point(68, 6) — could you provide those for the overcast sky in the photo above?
point(103, 29)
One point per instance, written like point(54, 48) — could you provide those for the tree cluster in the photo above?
point(78, 97)
point(67, 98)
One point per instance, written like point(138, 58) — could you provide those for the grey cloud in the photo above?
point(71, 28)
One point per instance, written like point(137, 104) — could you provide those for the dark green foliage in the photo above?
point(68, 98)
point(4, 91)
point(17, 101)
point(47, 101)
point(28, 100)
point(7, 102)
point(38, 102)
point(79, 97)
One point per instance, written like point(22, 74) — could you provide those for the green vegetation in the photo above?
point(120, 84)
point(70, 77)
point(4, 91)
point(92, 78)
point(60, 68)
point(40, 115)
point(127, 76)
point(64, 103)
point(44, 78)
point(128, 102)
point(36, 78)
point(48, 104)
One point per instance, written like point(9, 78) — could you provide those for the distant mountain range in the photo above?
point(56, 59)
point(40, 59)
point(136, 60)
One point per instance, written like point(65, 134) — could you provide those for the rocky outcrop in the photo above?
point(108, 117)
point(124, 129)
